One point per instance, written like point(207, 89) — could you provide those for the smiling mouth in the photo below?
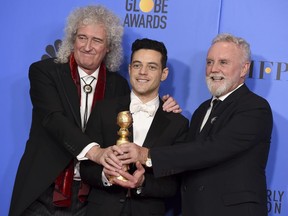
point(217, 78)
point(142, 80)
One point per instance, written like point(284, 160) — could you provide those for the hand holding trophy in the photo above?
point(124, 120)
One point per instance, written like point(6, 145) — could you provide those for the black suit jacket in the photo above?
point(166, 129)
point(223, 167)
point(55, 135)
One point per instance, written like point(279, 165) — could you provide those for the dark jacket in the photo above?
point(223, 166)
point(166, 129)
point(55, 135)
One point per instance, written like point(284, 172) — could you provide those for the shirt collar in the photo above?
point(83, 74)
point(223, 97)
point(154, 101)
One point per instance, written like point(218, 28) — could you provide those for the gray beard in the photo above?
point(217, 92)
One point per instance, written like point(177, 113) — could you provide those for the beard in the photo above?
point(220, 87)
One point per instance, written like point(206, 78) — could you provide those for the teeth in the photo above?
point(217, 78)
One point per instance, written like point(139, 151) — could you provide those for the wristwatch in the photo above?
point(148, 162)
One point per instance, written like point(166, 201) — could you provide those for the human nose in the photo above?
point(88, 44)
point(143, 70)
point(214, 67)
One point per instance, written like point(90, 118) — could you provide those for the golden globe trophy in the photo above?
point(124, 120)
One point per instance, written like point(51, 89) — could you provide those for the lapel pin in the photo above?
point(213, 119)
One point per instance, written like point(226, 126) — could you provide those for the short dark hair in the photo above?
point(147, 43)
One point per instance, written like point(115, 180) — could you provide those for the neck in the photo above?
point(87, 71)
point(145, 98)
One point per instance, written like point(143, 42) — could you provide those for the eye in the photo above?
point(209, 62)
point(136, 65)
point(223, 62)
point(82, 38)
point(152, 67)
point(97, 40)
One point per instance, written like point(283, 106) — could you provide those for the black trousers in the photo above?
point(126, 210)
point(43, 206)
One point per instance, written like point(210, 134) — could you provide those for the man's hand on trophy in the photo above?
point(134, 180)
point(110, 174)
point(132, 153)
point(105, 157)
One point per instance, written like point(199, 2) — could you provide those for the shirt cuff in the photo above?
point(82, 154)
point(105, 181)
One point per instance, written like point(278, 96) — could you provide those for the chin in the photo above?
point(217, 91)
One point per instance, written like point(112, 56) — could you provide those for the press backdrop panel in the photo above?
point(187, 28)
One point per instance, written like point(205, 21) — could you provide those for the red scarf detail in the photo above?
point(63, 184)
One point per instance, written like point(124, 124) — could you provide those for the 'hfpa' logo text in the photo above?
point(268, 70)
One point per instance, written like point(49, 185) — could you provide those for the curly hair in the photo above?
point(90, 15)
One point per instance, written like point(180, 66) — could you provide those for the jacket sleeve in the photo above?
point(246, 125)
point(164, 186)
point(54, 111)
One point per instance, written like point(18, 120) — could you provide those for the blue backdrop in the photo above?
point(31, 28)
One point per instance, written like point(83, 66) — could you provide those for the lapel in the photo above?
point(158, 125)
point(199, 116)
point(70, 91)
point(236, 95)
point(123, 103)
point(221, 108)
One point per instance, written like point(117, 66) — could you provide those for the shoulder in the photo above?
point(175, 117)
point(48, 66)
point(170, 115)
point(118, 104)
point(110, 101)
point(116, 85)
point(115, 76)
point(45, 62)
point(253, 99)
point(203, 106)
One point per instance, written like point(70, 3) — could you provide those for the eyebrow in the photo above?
point(93, 37)
point(136, 61)
point(221, 59)
point(149, 63)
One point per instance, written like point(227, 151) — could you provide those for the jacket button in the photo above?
point(201, 188)
point(185, 188)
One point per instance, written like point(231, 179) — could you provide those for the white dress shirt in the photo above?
point(141, 122)
point(87, 79)
point(141, 119)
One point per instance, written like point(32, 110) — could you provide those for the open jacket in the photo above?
point(55, 136)
point(166, 129)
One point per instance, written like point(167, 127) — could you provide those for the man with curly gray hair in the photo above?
point(63, 93)
point(94, 15)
